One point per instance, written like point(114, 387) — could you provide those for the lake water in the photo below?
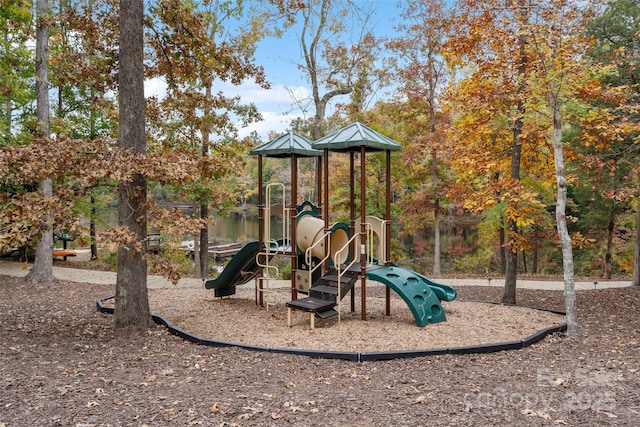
point(455, 238)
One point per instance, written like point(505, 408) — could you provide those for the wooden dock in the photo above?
point(219, 252)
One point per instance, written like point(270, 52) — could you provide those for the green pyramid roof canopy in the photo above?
point(285, 146)
point(355, 136)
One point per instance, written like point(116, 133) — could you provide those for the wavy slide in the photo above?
point(421, 298)
point(443, 292)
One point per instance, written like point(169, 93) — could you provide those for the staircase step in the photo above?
point(326, 287)
point(345, 273)
point(323, 290)
point(311, 304)
point(327, 283)
point(333, 278)
point(330, 278)
point(326, 314)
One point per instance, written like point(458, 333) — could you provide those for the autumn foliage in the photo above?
point(470, 103)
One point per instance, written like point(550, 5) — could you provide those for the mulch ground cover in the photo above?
point(62, 364)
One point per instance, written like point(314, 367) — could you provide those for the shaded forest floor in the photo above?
point(62, 364)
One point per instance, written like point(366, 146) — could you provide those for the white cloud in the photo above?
point(278, 105)
point(155, 87)
point(273, 121)
point(280, 97)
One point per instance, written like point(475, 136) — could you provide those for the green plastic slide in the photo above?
point(416, 293)
point(240, 269)
point(444, 292)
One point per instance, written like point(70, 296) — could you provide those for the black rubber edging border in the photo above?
point(174, 330)
point(358, 357)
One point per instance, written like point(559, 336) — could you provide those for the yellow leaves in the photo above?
point(524, 208)
point(522, 222)
point(581, 242)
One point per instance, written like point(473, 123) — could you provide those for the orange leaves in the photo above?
point(580, 242)
point(86, 162)
point(173, 221)
point(520, 216)
point(122, 236)
point(602, 129)
point(24, 216)
point(499, 102)
point(75, 166)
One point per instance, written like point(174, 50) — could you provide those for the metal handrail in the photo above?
point(368, 253)
point(270, 271)
point(286, 220)
point(338, 263)
point(266, 276)
point(369, 244)
point(309, 258)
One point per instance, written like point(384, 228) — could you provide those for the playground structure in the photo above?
point(327, 260)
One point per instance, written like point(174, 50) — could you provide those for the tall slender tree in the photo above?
point(333, 68)
point(16, 65)
point(85, 43)
point(422, 75)
point(557, 38)
point(196, 48)
point(496, 136)
point(511, 273)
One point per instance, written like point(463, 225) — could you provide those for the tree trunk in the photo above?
point(196, 248)
point(636, 258)
point(42, 271)
point(132, 301)
point(511, 273)
point(503, 251)
point(204, 241)
point(92, 220)
point(203, 253)
point(561, 219)
point(436, 240)
point(9, 113)
point(92, 229)
point(608, 257)
point(436, 208)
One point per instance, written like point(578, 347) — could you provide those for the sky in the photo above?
point(279, 56)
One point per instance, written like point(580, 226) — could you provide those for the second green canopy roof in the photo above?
point(354, 137)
